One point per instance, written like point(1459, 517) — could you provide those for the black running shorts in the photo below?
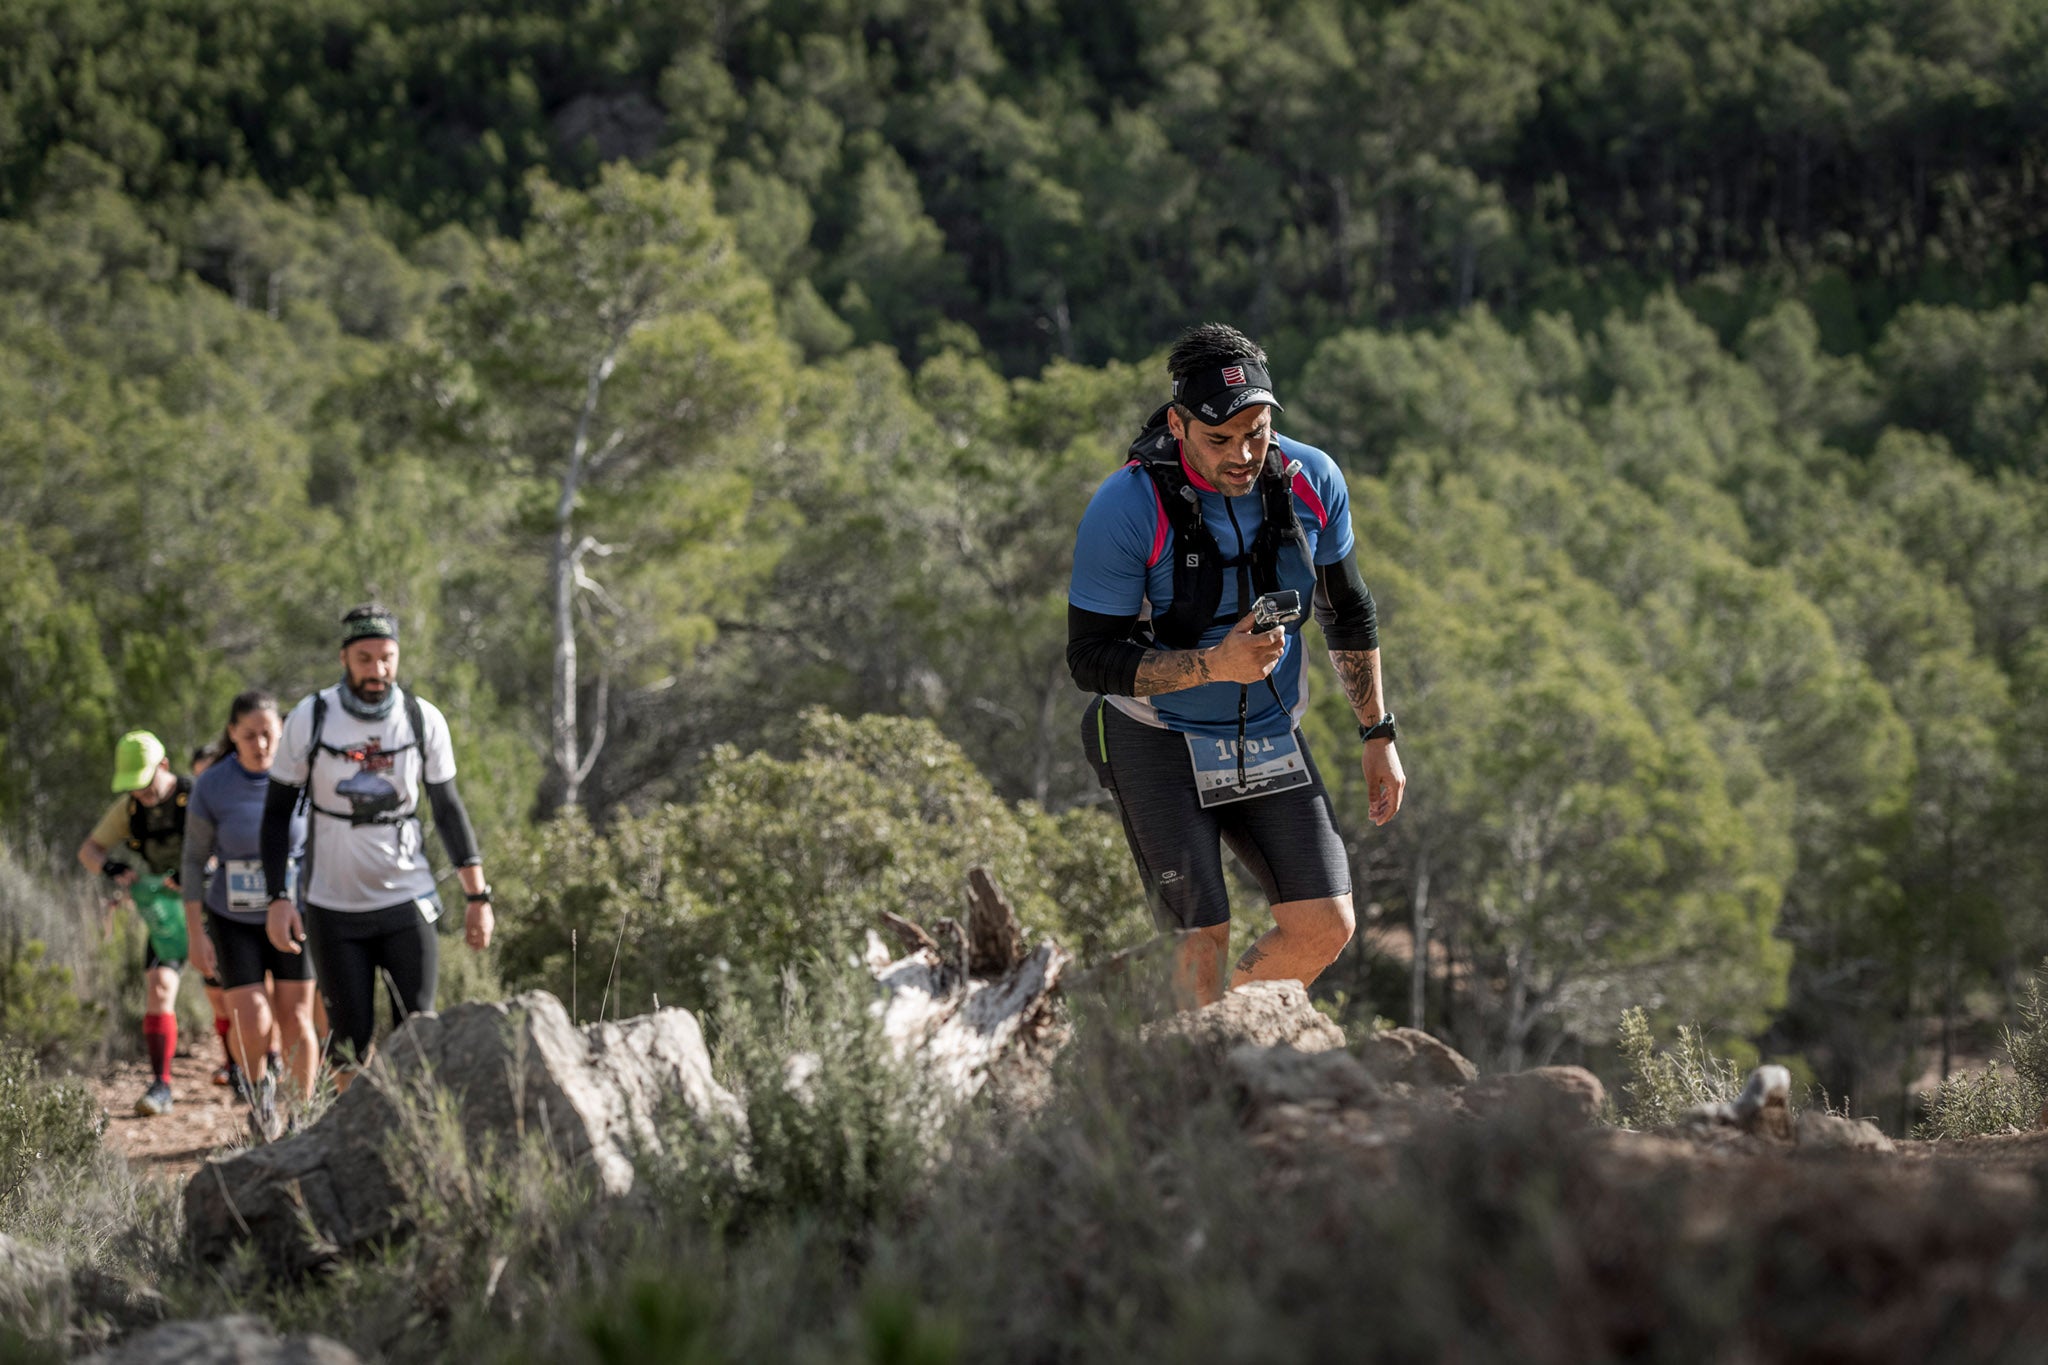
point(1287, 841)
point(243, 953)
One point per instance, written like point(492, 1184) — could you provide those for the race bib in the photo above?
point(1270, 765)
point(246, 887)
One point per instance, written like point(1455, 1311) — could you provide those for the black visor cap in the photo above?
point(1215, 396)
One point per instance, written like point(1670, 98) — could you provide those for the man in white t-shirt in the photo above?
point(359, 754)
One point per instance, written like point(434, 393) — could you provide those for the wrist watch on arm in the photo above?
point(1383, 728)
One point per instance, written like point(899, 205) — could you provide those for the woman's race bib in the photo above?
point(246, 887)
point(1270, 765)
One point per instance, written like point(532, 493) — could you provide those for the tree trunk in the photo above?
point(1518, 1004)
point(1048, 715)
point(570, 763)
point(1418, 972)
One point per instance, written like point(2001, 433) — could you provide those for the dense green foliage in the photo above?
point(1066, 178)
point(785, 861)
point(1690, 368)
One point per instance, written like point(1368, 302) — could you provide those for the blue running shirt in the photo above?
point(1123, 566)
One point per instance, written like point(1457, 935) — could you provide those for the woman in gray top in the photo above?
point(225, 920)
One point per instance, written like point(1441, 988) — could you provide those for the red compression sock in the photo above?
point(222, 1025)
point(160, 1036)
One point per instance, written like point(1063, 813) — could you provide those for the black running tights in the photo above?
point(354, 951)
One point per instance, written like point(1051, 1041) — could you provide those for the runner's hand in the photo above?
point(1385, 783)
point(200, 948)
point(1244, 657)
point(283, 927)
point(477, 923)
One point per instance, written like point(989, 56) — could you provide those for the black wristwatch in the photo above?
point(1383, 728)
point(474, 896)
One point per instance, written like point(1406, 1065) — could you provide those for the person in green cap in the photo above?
point(137, 845)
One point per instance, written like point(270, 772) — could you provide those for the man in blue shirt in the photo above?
point(1194, 730)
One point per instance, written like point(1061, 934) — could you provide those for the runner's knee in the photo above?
point(1328, 924)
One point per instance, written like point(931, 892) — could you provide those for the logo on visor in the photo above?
point(1233, 375)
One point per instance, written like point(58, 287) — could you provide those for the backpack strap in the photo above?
point(312, 753)
point(419, 730)
point(139, 831)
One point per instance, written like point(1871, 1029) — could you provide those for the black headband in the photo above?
point(1215, 396)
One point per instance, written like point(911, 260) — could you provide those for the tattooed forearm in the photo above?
point(1359, 671)
point(1172, 671)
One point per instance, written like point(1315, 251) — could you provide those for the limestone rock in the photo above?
point(511, 1069)
point(238, 1340)
point(1817, 1131)
point(1561, 1096)
point(1261, 1014)
point(1409, 1056)
point(1270, 1076)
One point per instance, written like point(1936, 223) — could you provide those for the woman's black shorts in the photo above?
point(1287, 841)
point(244, 954)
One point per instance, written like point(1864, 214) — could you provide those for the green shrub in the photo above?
point(837, 1130)
point(43, 1123)
point(780, 860)
point(1972, 1103)
point(1663, 1084)
point(40, 1009)
point(54, 975)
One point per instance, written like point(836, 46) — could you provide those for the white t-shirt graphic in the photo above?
point(364, 838)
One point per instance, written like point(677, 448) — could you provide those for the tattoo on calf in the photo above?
point(1252, 958)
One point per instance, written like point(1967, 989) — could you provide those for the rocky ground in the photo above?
point(171, 1146)
point(1832, 1241)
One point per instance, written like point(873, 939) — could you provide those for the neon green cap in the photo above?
point(136, 758)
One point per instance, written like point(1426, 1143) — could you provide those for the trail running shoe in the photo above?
point(155, 1101)
point(224, 1074)
point(264, 1123)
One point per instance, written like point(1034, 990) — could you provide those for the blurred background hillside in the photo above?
point(1689, 363)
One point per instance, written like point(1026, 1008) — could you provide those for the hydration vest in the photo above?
point(1199, 564)
point(317, 748)
point(157, 833)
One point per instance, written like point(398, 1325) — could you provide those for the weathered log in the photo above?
point(964, 1027)
point(911, 936)
point(995, 939)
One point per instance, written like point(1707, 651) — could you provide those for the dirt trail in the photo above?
point(204, 1119)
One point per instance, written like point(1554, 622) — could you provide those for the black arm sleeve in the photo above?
point(1101, 654)
point(1343, 606)
point(276, 839)
point(451, 817)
